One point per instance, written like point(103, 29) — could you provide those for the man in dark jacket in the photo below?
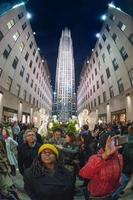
point(27, 151)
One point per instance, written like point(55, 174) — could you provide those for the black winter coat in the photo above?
point(26, 155)
point(58, 186)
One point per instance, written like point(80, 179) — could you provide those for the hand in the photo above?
point(110, 148)
point(59, 146)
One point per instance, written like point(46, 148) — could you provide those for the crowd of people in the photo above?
point(50, 166)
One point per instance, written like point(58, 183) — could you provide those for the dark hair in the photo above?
point(85, 127)
point(58, 130)
point(38, 168)
point(72, 136)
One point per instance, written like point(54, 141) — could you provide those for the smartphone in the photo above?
point(120, 140)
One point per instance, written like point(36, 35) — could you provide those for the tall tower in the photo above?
point(65, 98)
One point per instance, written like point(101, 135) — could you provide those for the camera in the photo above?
point(120, 140)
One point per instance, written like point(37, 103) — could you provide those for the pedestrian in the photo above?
point(27, 151)
point(46, 178)
point(11, 148)
point(103, 170)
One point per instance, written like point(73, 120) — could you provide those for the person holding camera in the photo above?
point(103, 170)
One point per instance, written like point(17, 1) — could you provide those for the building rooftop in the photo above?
point(7, 5)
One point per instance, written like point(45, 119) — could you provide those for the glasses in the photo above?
point(47, 153)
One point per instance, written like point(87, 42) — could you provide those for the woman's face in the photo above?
point(68, 139)
point(4, 132)
point(48, 157)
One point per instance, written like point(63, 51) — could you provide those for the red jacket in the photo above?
point(104, 175)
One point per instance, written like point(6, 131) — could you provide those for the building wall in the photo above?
point(111, 59)
point(35, 91)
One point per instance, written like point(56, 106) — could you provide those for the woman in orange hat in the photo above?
point(46, 179)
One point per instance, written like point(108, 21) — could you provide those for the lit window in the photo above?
point(21, 46)
point(10, 23)
point(16, 36)
point(121, 26)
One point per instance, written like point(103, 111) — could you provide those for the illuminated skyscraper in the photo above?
point(65, 79)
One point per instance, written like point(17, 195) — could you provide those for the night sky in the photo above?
point(82, 17)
